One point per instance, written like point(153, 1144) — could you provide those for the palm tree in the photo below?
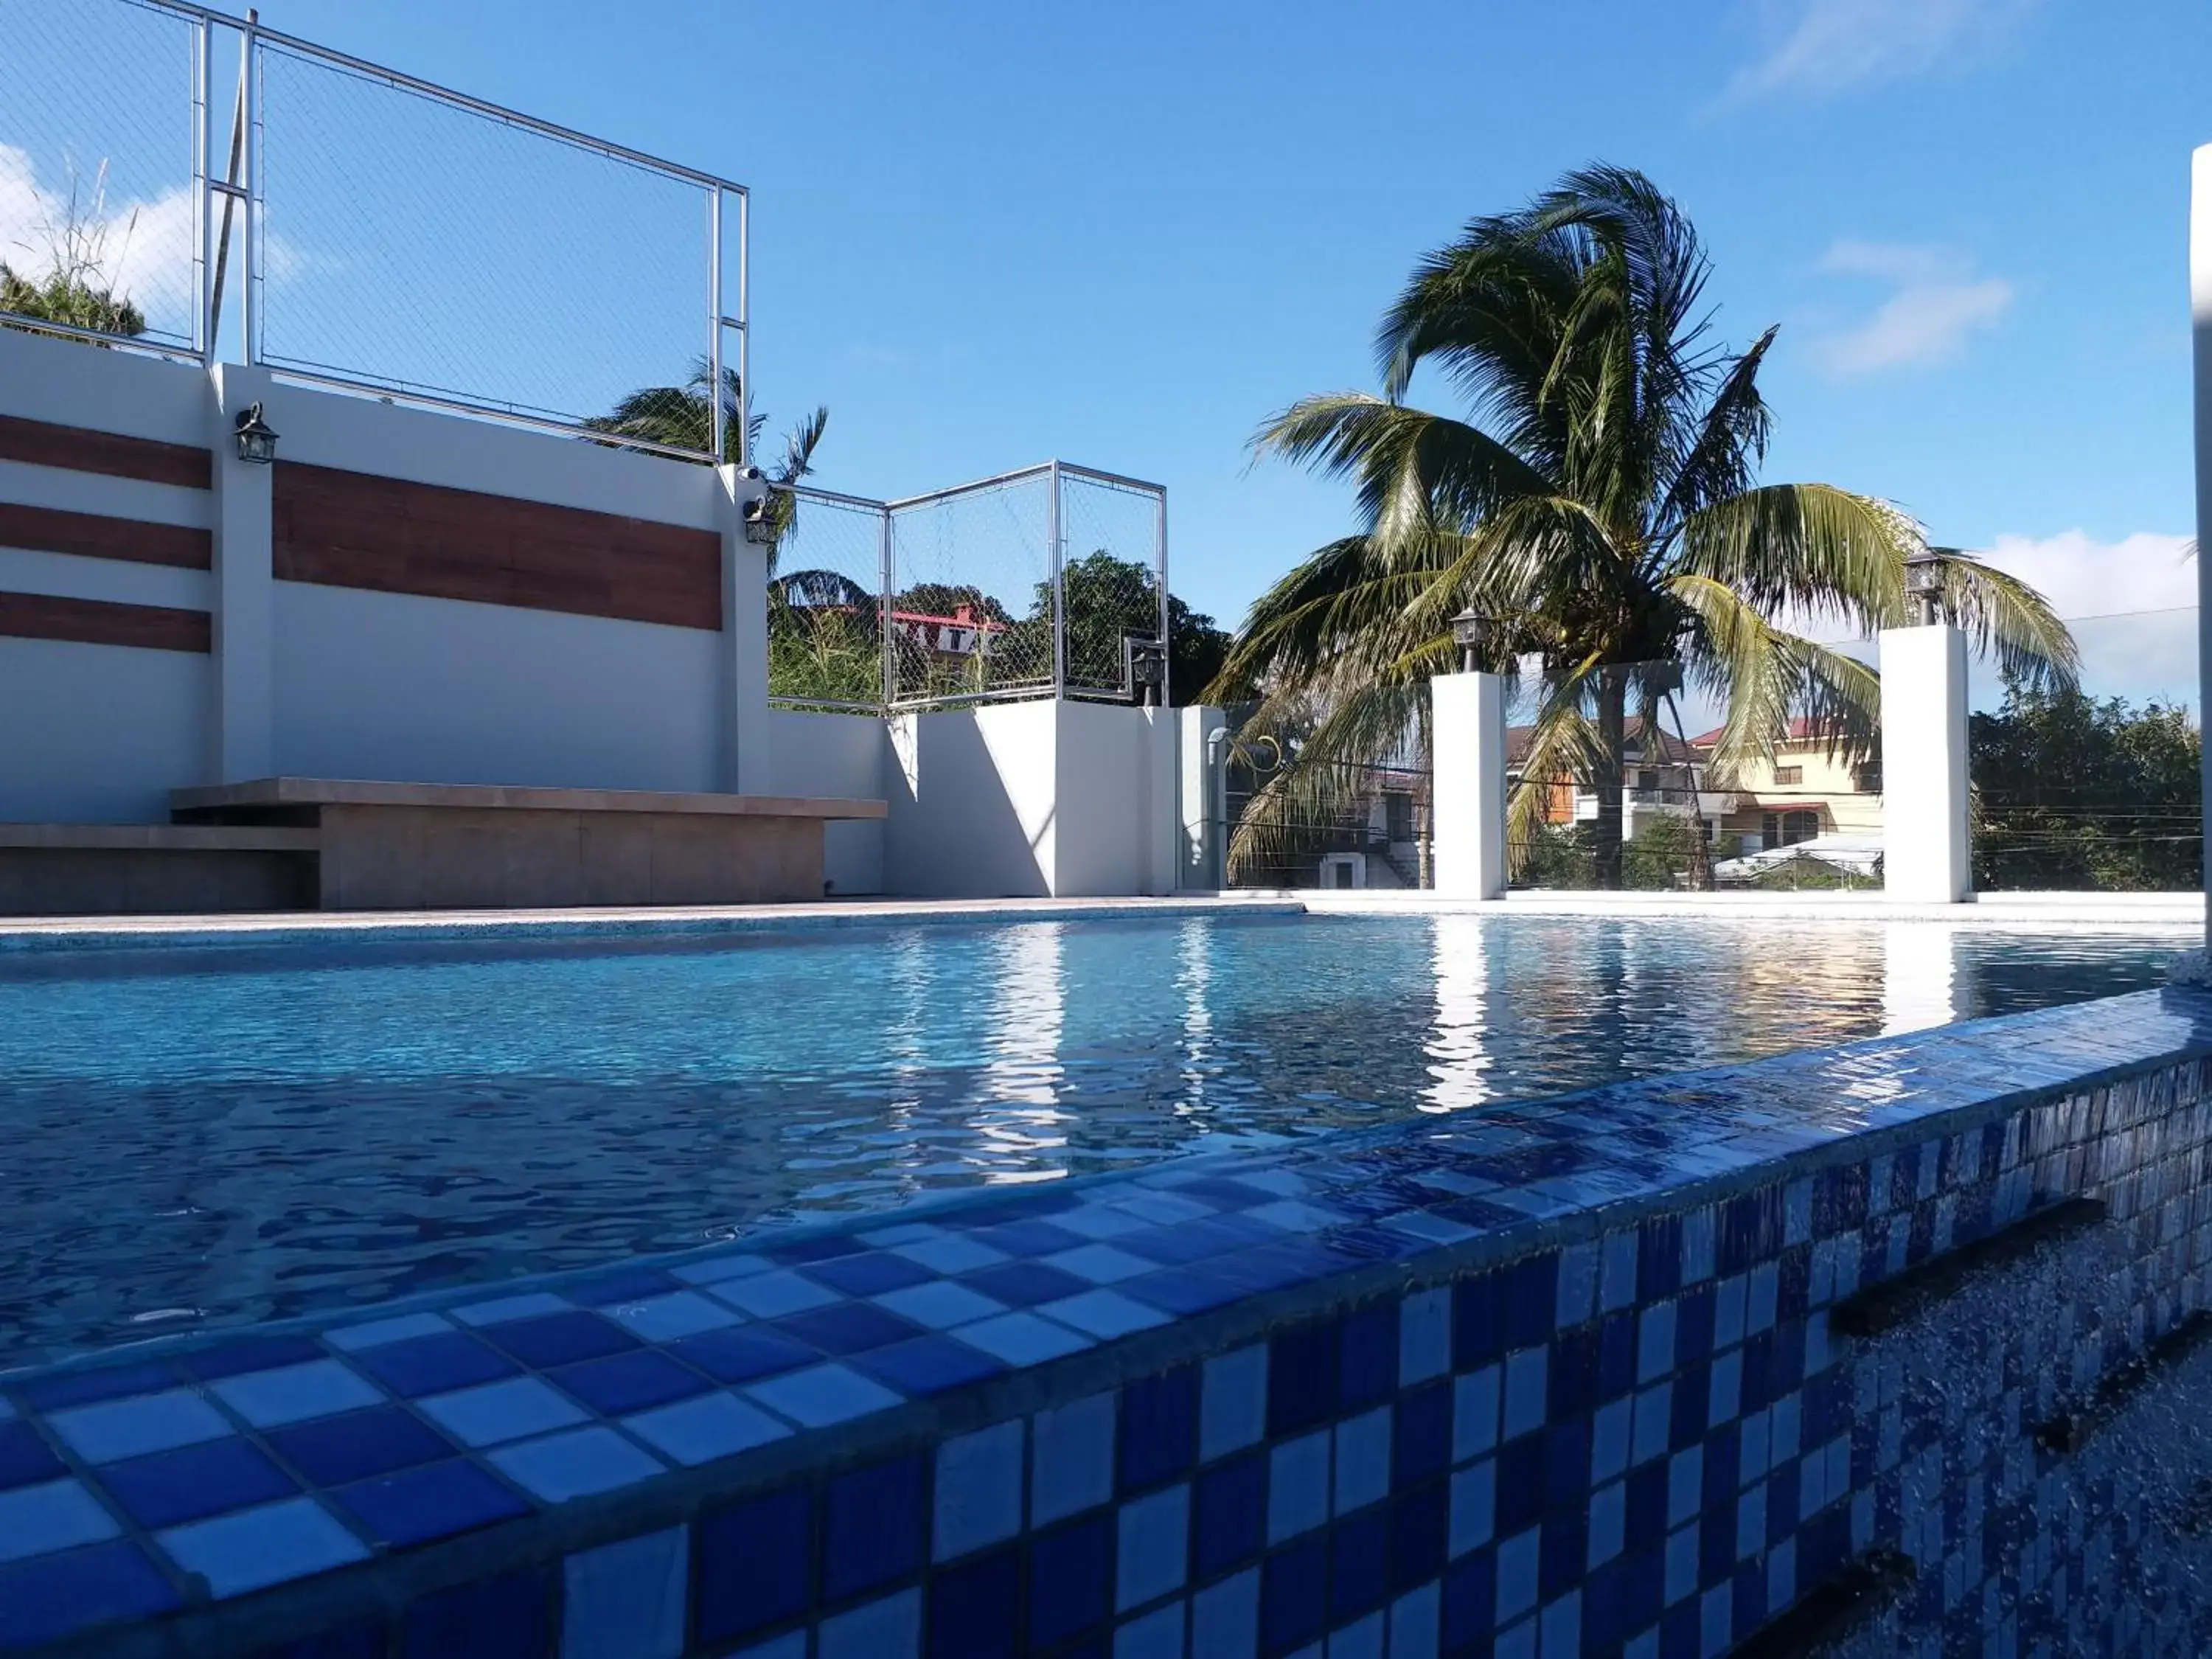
point(1598, 505)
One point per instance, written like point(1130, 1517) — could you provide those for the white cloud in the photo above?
point(1826, 45)
point(145, 248)
point(1937, 303)
point(2131, 605)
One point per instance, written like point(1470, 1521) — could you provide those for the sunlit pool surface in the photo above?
point(215, 1137)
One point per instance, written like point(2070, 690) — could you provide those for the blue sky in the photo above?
point(989, 233)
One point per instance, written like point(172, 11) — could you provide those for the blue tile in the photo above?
point(560, 1338)
point(1071, 1459)
point(1421, 1534)
point(1470, 1598)
point(494, 1412)
point(974, 1608)
point(434, 1365)
point(742, 1356)
point(1024, 1284)
point(626, 1600)
point(1104, 1314)
point(827, 1394)
point(295, 1394)
point(57, 1515)
point(823, 1247)
point(382, 1333)
point(940, 1304)
point(1297, 1486)
point(510, 1617)
point(978, 1490)
point(51, 1596)
point(715, 1425)
point(1474, 1413)
point(500, 1310)
point(1302, 1377)
point(874, 1527)
point(927, 1366)
point(888, 1629)
point(1473, 1508)
point(679, 1313)
point(1293, 1596)
point(774, 1295)
point(251, 1549)
point(1519, 1567)
point(1421, 1440)
point(870, 1273)
point(24, 1457)
point(576, 1463)
point(1070, 1585)
point(622, 1285)
point(1363, 1460)
point(51, 1393)
point(1154, 1547)
point(1528, 1299)
point(1154, 1635)
point(259, 1354)
point(1423, 1336)
point(847, 1328)
point(195, 1482)
point(625, 1383)
point(333, 1450)
point(1230, 1526)
point(1415, 1626)
point(1526, 1390)
point(433, 1501)
point(1159, 1427)
point(950, 1253)
point(1655, 1342)
point(1367, 1355)
point(1022, 1338)
point(117, 1429)
point(1026, 1238)
point(1224, 1618)
point(1233, 1401)
point(756, 1565)
point(1098, 1264)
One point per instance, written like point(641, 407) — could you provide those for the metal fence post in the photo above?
point(203, 96)
point(1059, 583)
point(249, 251)
point(1160, 563)
point(717, 421)
point(744, 327)
point(886, 627)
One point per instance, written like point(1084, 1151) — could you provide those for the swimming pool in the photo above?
point(213, 1138)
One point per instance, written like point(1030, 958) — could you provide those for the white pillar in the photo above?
point(1202, 741)
point(2200, 294)
point(742, 684)
point(1162, 820)
point(244, 624)
point(1925, 848)
point(1466, 736)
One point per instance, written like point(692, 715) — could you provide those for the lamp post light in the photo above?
point(1470, 631)
point(256, 439)
point(1923, 582)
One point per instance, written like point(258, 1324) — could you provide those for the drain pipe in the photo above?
point(1217, 807)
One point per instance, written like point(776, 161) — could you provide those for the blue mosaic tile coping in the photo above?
point(1497, 1378)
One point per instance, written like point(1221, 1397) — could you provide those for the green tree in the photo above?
point(1599, 503)
point(1108, 598)
point(77, 288)
point(2072, 792)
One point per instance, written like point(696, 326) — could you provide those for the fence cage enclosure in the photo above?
point(180, 180)
point(1051, 581)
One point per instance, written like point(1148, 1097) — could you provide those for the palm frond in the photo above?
point(1808, 549)
point(1770, 676)
point(2001, 616)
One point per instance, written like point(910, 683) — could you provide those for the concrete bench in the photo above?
point(147, 869)
point(434, 846)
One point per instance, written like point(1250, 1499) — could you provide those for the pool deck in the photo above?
point(2016, 911)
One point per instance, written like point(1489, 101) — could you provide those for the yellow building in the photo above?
point(1803, 792)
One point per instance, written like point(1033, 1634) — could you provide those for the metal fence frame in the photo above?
point(218, 202)
point(1057, 473)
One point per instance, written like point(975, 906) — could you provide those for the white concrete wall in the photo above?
point(1924, 832)
point(98, 734)
point(2200, 296)
point(1467, 740)
point(1118, 812)
point(843, 757)
point(397, 687)
point(1201, 742)
point(972, 809)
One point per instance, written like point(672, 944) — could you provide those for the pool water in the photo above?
point(214, 1137)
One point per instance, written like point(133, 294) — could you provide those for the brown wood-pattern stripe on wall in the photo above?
point(102, 621)
point(94, 536)
point(357, 529)
point(80, 449)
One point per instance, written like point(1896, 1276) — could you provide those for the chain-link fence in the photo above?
point(180, 179)
point(972, 594)
point(101, 130)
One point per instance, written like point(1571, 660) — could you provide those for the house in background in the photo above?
point(1662, 776)
point(1802, 793)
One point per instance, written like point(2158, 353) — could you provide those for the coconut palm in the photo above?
point(1598, 503)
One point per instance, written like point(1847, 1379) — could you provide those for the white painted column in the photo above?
point(1162, 818)
point(1202, 741)
point(244, 726)
point(2200, 296)
point(1924, 848)
point(1466, 736)
point(743, 767)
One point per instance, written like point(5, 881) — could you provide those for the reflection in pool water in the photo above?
point(205, 1140)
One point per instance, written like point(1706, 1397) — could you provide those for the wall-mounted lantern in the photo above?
point(1144, 667)
point(256, 439)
